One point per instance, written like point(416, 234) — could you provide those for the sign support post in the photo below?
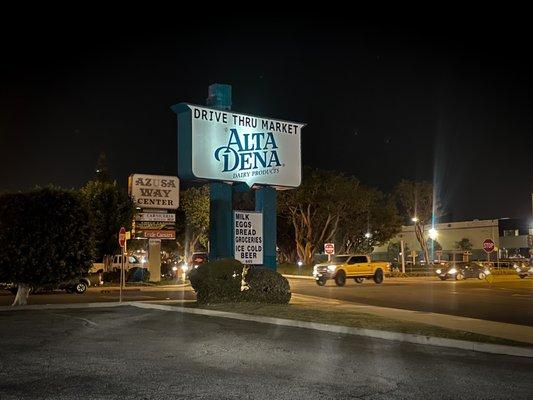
point(122, 243)
point(220, 193)
point(265, 202)
point(402, 250)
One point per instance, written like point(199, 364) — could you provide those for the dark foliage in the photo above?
point(45, 237)
point(220, 282)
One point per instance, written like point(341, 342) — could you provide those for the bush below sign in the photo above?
point(221, 282)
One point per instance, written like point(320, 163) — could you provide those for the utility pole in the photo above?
point(402, 250)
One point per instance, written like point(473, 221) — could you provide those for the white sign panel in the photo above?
point(154, 191)
point(158, 217)
point(229, 146)
point(248, 235)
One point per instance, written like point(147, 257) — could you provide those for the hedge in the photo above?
point(220, 282)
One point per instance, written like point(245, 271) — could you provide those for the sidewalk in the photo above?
point(138, 288)
point(519, 333)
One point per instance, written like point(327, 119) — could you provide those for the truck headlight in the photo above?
point(452, 271)
point(332, 268)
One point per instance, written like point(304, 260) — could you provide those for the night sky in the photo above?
point(446, 101)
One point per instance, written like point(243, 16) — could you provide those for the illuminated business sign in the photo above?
point(229, 146)
point(248, 237)
point(159, 234)
point(154, 191)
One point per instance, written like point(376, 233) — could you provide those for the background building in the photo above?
point(513, 237)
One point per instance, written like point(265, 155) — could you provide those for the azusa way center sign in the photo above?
point(220, 145)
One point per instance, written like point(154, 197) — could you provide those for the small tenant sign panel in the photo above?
point(154, 191)
point(152, 216)
point(248, 237)
point(228, 146)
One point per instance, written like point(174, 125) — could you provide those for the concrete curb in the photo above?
point(300, 277)
point(64, 306)
point(386, 335)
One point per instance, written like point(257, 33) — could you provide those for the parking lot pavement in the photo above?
point(126, 352)
point(508, 301)
point(105, 294)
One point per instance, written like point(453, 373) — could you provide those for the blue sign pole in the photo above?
point(220, 193)
point(265, 201)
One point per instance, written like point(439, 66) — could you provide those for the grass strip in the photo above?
point(328, 315)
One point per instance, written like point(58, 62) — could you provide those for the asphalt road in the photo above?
point(130, 353)
point(509, 301)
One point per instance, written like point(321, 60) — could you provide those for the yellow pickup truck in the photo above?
point(355, 266)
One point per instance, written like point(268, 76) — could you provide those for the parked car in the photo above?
point(356, 266)
point(522, 268)
point(463, 270)
point(77, 285)
point(129, 262)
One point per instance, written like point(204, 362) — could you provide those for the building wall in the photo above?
point(450, 233)
point(447, 235)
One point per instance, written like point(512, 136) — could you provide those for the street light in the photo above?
point(433, 233)
point(414, 219)
point(368, 235)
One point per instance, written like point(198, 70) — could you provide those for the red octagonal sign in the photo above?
point(488, 245)
point(122, 237)
point(329, 248)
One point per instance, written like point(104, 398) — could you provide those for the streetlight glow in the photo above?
point(433, 233)
point(414, 219)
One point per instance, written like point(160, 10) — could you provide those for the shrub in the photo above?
point(266, 286)
point(137, 274)
point(220, 282)
point(111, 276)
point(503, 271)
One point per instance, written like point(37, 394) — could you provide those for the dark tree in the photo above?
point(110, 208)
point(45, 239)
point(418, 205)
point(101, 172)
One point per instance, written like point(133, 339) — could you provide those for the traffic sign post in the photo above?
point(329, 249)
point(122, 243)
point(488, 246)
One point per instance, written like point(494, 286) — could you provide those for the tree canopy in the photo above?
point(45, 237)
point(110, 208)
point(418, 205)
point(329, 206)
point(194, 202)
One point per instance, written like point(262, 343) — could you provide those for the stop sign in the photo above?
point(122, 237)
point(488, 245)
point(329, 248)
